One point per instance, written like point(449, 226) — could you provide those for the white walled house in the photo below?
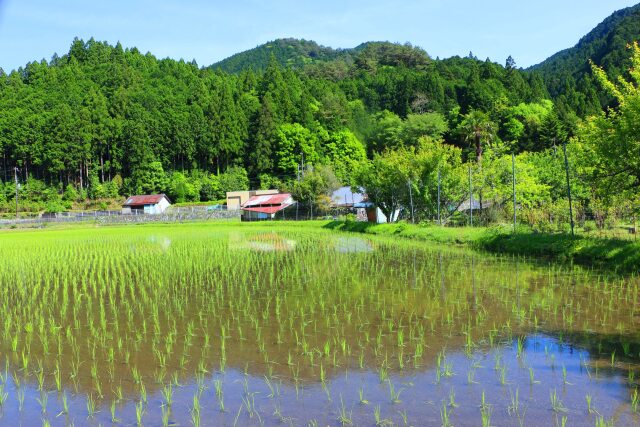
point(146, 204)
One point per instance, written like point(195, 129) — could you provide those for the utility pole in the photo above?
point(513, 167)
point(470, 197)
point(566, 167)
point(411, 201)
point(439, 178)
point(298, 201)
point(15, 176)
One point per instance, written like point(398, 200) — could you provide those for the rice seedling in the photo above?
point(3, 394)
point(503, 375)
point(58, 377)
point(471, 374)
point(42, 401)
point(635, 400)
point(485, 414)
point(514, 406)
point(344, 417)
point(562, 421)
point(532, 379)
point(140, 410)
point(556, 403)
point(91, 406)
point(21, 395)
point(195, 410)
point(166, 414)
point(118, 393)
point(143, 393)
point(112, 411)
point(393, 395)
point(445, 416)
point(604, 422)
point(381, 422)
point(361, 397)
point(452, 399)
point(520, 347)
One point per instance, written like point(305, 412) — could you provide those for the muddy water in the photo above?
point(283, 326)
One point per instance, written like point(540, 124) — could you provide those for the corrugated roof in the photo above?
point(268, 200)
point(149, 199)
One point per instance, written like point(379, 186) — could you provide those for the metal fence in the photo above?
point(173, 214)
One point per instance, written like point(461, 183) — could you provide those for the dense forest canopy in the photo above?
point(568, 75)
point(102, 121)
point(103, 110)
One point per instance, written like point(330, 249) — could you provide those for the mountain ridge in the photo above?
point(603, 30)
point(297, 53)
point(569, 70)
point(602, 44)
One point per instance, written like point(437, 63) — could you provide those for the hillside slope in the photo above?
point(288, 52)
point(606, 45)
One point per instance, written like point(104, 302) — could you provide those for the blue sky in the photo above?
point(209, 31)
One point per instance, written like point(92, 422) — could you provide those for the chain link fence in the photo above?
point(173, 214)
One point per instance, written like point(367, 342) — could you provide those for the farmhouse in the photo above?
point(265, 207)
point(146, 204)
point(235, 199)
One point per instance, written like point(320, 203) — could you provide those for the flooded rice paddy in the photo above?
point(260, 325)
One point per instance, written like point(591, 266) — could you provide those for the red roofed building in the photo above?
point(148, 204)
point(265, 206)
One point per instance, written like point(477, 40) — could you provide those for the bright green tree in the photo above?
point(432, 125)
point(234, 178)
point(478, 129)
point(344, 152)
point(315, 187)
point(294, 144)
point(385, 181)
point(149, 179)
point(612, 139)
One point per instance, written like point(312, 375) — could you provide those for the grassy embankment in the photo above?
point(614, 254)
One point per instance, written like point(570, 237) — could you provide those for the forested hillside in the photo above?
point(102, 113)
point(567, 74)
point(287, 52)
point(102, 121)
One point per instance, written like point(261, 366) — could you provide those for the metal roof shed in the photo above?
point(266, 206)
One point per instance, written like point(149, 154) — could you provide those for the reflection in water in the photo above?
point(162, 241)
point(262, 242)
point(353, 245)
point(306, 327)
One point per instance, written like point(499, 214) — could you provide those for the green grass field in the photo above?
point(614, 254)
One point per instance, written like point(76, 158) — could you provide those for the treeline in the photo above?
point(102, 120)
point(599, 164)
